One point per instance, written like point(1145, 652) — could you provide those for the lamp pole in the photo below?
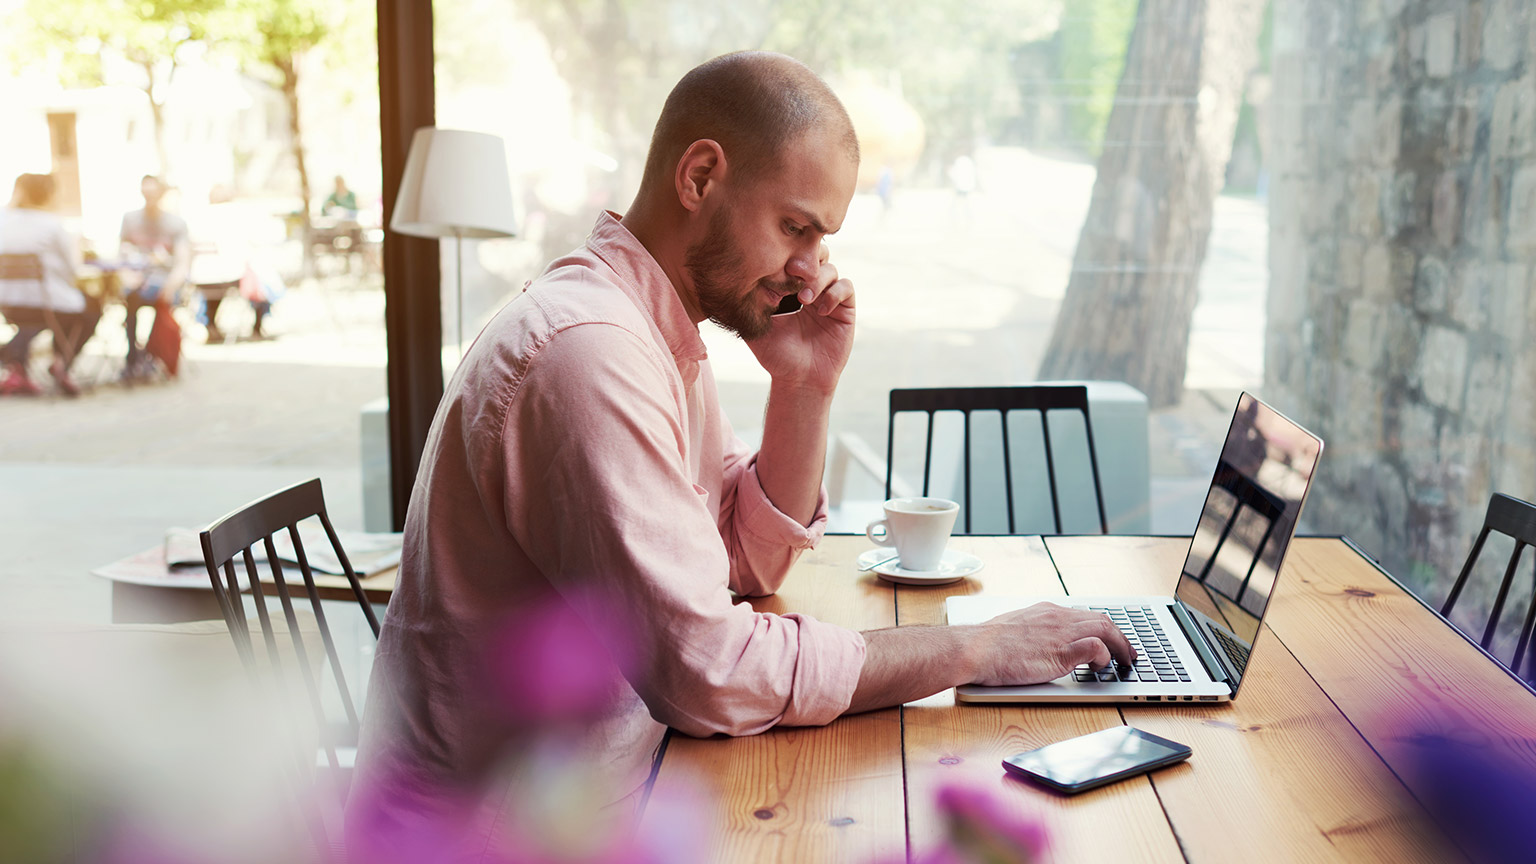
point(458, 273)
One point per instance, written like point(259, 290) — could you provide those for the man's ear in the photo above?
point(699, 171)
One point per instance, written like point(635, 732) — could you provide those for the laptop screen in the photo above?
point(1249, 516)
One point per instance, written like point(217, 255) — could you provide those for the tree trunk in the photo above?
point(289, 70)
point(157, 113)
point(1135, 276)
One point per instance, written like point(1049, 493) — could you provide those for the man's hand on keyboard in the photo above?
point(1044, 642)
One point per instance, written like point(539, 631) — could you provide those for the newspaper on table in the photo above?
point(369, 553)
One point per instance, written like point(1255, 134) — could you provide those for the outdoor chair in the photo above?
point(29, 268)
point(234, 537)
point(1513, 518)
point(1004, 402)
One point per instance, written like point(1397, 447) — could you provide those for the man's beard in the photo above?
point(716, 268)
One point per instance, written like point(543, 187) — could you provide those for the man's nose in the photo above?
point(802, 265)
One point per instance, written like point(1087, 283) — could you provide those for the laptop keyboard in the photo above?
point(1155, 658)
point(1237, 652)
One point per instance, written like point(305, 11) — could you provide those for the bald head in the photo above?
point(754, 104)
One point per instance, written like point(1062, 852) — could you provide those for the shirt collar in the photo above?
point(647, 283)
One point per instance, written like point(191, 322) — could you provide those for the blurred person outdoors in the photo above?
point(580, 460)
point(885, 187)
point(962, 178)
point(338, 231)
point(225, 260)
point(28, 228)
point(156, 256)
point(341, 203)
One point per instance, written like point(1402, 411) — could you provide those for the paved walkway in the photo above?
point(947, 295)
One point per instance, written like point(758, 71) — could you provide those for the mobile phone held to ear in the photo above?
point(788, 304)
point(1090, 761)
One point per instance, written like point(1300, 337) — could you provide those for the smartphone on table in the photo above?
point(1090, 761)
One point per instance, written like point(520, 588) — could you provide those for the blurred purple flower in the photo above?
point(402, 820)
point(550, 665)
point(981, 829)
point(1483, 803)
point(405, 822)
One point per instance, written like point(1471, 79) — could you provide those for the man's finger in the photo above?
point(825, 278)
point(1090, 650)
point(840, 293)
point(1116, 641)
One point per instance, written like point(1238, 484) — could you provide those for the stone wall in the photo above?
point(1402, 300)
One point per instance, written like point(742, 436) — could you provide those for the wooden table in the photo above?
point(1317, 760)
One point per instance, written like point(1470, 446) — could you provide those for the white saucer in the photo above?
point(953, 567)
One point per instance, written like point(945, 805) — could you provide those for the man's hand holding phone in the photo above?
point(812, 333)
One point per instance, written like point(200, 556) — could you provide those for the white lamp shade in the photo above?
point(455, 185)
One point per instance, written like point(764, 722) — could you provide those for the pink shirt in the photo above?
point(580, 451)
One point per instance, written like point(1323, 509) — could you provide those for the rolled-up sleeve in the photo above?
point(762, 541)
point(599, 497)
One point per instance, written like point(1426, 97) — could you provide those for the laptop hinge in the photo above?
point(1213, 664)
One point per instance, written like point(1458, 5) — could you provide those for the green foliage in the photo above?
point(72, 34)
point(35, 820)
point(1094, 37)
point(621, 57)
point(287, 29)
point(951, 59)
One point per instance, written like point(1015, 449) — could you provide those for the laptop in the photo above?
point(1194, 645)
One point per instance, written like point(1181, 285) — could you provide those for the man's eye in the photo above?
point(793, 230)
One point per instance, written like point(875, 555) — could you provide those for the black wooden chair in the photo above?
point(1513, 518)
point(1041, 399)
point(234, 537)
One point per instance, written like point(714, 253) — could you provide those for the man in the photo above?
point(154, 246)
point(580, 457)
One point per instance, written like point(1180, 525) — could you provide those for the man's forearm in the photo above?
point(1027, 646)
point(906, 663)
point(794, 449)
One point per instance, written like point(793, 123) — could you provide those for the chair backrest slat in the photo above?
point(966, 400)
point(1516, 519)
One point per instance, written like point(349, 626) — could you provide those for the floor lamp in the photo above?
point(455, 185)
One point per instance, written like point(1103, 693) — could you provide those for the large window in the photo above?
point(254, 115)
point(1329, 206)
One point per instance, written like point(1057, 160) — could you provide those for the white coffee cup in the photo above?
point(918, 528)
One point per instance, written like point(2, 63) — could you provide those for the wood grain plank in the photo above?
point(812, 794)
point(949, 744)
point(1416, 689)
point(1119, 564)
point(1279, 773)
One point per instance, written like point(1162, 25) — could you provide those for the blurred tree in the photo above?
point(1135, 276)
point(1090, 55)
point(151, 34)
point(621, 58)
point(949, 59)
point(271, 39)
